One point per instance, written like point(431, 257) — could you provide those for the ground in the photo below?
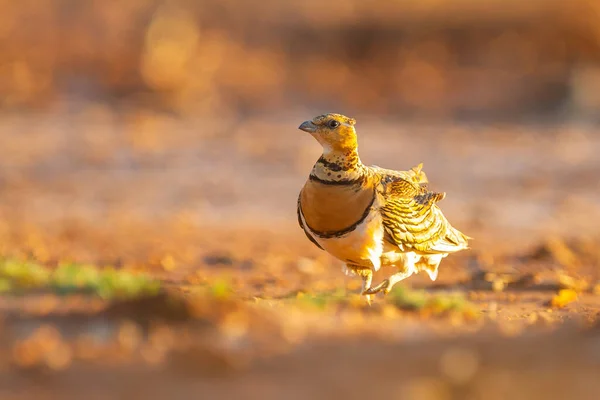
point(237, 302)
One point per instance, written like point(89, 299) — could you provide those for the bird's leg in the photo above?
point(367, 277)
point(407, 268)
point(387, 284)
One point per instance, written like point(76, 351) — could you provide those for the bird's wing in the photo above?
point(411, 218)
point(415, 175)
point(308, 235)
point(418, 175)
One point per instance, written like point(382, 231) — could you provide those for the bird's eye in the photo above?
point(333, 124)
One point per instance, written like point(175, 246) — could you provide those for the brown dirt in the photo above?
point(197, 201)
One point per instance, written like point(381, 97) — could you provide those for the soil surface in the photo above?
point(249, 307)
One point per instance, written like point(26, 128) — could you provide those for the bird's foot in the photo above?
point(384, 287)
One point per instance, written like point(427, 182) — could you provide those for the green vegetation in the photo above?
point(408, 299)
point(322, 300)
point(18, 276)
point(220, 289)
point(22, 276)
point(401, 297)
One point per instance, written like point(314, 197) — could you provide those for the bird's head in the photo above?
point(335, 132)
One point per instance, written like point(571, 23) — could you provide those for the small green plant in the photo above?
point(18, 276)
point(321, 300)
point(23, 274)
point(220, 289)
point(407, 299)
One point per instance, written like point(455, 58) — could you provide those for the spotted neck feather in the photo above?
point(338, 167)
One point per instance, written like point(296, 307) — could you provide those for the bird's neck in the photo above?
point(338, 166)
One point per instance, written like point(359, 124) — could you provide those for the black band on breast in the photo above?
point(341, 182)
point(342, 232)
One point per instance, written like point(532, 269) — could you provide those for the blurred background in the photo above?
point(160, 136)
point(459, 59)
point(142, 110)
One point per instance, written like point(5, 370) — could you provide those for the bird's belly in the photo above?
point(363, 246)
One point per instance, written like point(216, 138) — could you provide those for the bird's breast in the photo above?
point(333, 208)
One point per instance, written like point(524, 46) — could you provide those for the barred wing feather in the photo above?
point(412, 220)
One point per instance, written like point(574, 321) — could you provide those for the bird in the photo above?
point(369, 217)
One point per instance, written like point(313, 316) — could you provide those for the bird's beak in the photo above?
point(308, 126)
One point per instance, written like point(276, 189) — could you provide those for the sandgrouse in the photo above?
point(369, 217)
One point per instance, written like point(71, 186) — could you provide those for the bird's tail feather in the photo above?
point(454, 240)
